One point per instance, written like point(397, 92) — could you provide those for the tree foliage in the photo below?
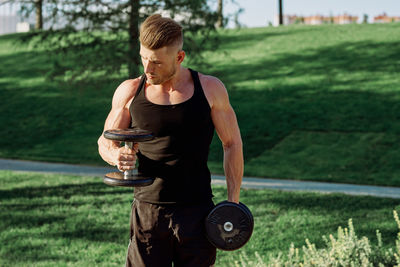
point(101, 36)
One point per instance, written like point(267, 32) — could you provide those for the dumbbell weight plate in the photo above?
point(128, 135)
point(118, 179)
point(229, 225)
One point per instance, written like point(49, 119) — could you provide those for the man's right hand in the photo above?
point(125, 158)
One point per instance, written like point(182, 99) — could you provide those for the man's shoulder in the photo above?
point(209, 80)
point(126, 91)
point(211, 84)
point(213, 88)
point(129, 85)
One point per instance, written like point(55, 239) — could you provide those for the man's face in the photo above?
point(159, 65)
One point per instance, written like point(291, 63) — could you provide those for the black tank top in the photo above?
point(178, 155)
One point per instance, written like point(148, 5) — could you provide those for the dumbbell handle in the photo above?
point(128, 173)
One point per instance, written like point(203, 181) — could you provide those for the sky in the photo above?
point(257, 13)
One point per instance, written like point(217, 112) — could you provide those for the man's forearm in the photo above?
point(105, 150)
point(233, 166)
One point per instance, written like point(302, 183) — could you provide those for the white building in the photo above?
point(8, 23)
point(23, 27)
point(11, 22)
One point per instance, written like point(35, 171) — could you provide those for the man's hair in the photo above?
point(157, 32)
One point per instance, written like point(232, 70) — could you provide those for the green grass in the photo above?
point(60, 220)
point(313, 103)
point(316, 103)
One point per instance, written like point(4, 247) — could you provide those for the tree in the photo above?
point(365, 19)
point(102, 35)
point(220, 21)
point(39, 17)
point(236, 21)
point(280, 12)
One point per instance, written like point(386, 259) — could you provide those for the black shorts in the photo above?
point(166, 234)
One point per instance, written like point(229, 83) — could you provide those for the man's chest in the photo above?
point(172, 97)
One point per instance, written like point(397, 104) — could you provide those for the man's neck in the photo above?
point(176, 81)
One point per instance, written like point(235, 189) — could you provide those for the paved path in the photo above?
point(248, 182)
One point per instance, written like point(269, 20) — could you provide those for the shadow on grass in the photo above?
point(64, 191)
point(53, 121)
point(365, 57)
point(33, 254)
point(310, 215)
point(13, 217)
point(66, 209)
point(351, 87)
point(239, 38)
point(326, 203)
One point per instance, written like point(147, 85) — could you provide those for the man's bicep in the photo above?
point(223, 115)
point(226, 125)
point(118, 118)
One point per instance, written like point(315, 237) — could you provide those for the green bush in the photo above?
point(344, 250)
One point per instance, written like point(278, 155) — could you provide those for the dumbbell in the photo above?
point(128, 178)
point(229, 225)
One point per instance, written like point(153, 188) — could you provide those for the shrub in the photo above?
point(344, 250)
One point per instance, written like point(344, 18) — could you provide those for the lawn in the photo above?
point(313, 103)
point(62, 220)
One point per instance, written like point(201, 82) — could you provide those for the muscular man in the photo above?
point(181, 107)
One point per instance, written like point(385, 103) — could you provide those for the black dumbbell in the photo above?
point(128, 178)
point(229, 225)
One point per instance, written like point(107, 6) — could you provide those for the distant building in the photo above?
point(8, 23)
point(345, 19)
point(23, 27)
point(287, 19)
point(13, 23)
point(317, 19)
point(384, 18)
point(314, 20)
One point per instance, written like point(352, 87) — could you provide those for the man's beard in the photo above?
point(159, 80)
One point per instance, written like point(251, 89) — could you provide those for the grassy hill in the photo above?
point(313, 103)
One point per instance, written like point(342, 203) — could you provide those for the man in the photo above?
point(181, 108)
